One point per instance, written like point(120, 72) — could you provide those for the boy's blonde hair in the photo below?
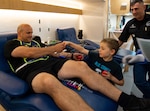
point(112, 44)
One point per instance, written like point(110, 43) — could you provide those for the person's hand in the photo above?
point(78, 56)
point(59, 47)
point(130, 59)
point(67, 42)
point(106, 74)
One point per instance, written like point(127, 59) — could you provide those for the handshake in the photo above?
point(130, 59)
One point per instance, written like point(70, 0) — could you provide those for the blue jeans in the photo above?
point(140, 72)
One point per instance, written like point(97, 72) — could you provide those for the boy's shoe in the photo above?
point(138, 104)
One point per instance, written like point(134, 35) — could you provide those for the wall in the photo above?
point(93, 22)
point(49, 22)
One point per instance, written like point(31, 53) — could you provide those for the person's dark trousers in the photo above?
point(142, 78)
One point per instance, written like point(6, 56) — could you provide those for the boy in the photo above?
point(103, 62)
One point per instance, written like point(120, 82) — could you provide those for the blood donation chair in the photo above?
point(69, 34)
point(15, 95)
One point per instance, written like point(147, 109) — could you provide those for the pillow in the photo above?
point(3, 62)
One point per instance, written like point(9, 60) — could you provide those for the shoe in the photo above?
point(138, 104)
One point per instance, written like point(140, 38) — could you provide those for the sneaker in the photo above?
point(138, 104)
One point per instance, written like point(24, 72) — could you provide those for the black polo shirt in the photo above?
point(137, 29)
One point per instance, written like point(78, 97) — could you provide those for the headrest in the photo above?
point(68, 34)
point(3, 39)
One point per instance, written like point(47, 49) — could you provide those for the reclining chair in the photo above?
point(15, 96)
point(69, 34)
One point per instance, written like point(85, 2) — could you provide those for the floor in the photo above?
point(129, 87)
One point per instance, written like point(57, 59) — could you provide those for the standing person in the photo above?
point(103, 62)
point(138, 27)
point(42, 69)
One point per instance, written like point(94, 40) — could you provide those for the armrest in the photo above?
point(122, 53)
point(90, 45)
point(12, 85)
point(89, 42)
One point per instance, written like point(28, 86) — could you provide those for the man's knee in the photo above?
point(82, 65)
point(43, 81)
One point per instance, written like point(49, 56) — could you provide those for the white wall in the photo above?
point(10, 19)
point(92, 22)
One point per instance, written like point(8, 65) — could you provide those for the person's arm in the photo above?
point(125, 34)
point(77, 47)
point(35, 52)
point(116, 81)
point(73, 56)
point(120, 43)
point(109, 76)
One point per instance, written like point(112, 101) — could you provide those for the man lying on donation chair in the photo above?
point(14, 93)
point(42, 69)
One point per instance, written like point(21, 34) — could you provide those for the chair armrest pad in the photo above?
point(12, 85)
point(89, 42)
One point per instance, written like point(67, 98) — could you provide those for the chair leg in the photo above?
point(126, 68)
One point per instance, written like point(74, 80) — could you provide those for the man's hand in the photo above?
point(67, 42)
point(59, 47)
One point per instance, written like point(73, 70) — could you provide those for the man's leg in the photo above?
point(65, 98)
point(140, 72)
point(80, 69)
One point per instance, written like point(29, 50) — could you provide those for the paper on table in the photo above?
point(144, 45)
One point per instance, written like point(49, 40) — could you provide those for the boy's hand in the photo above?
point(67, 42)
point(59, 47)
point(106, 74)
point(78, 56)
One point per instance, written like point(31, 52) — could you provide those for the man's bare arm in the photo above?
point(35, 52)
